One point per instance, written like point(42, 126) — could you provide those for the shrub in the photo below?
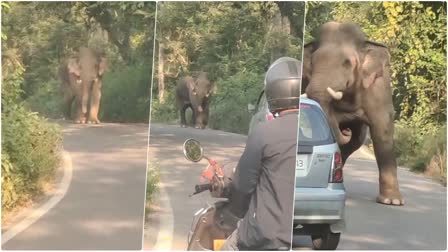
point(406, 144)
point(152, 184)
point(166, 112)
point(228, 109)
point(435, 148)
point(48, 100)
point(125, 94)
point(422, 151)
point(30, 146)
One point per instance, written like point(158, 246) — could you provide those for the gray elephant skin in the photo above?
point(350, 78)
point(194, 92)
point(81, 83)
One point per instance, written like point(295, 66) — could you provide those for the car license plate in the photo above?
point(301, 162)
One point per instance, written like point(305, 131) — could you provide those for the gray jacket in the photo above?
point(264, 185)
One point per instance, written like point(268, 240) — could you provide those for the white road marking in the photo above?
point(53, 201)
point(166, 225)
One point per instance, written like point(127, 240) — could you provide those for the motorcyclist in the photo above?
point(263, 184)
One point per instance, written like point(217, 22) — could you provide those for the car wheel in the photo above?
point(326, 241)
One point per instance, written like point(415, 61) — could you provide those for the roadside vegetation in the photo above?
point(30, 144)
point(415, 33)
point(234, 42)
point(152, 188)
point(36, 38)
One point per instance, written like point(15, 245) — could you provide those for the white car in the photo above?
point(319, 194)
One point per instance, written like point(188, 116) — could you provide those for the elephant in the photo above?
point(349, 76)
point(81, 82)
point(194, 92)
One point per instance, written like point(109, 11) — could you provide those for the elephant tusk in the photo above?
point(336, 95)
point(304, 95)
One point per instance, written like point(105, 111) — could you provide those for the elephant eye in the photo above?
point(347, 63)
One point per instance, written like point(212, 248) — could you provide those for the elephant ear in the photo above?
point(375, 63)
point(73, 67)
point(308, 51)
point(211, 90)
point(102, 66)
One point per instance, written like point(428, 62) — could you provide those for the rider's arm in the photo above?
point(247, 173)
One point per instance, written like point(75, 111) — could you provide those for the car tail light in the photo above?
point(269, 117)
point(336, 173)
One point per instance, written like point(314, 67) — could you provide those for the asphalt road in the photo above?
point(104, 205)
point(420, 224)
point(178, 177)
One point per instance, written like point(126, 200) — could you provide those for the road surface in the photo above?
point(178, 177)
point(103, 207)
point(420, 224)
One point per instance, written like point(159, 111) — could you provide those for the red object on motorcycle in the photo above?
point(212, 169)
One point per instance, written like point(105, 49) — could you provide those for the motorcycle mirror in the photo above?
point(193, 150)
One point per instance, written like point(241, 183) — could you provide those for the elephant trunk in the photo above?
point(342, 136)
point(200, 109)
point(325, 96)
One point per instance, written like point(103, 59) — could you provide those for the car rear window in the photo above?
point(313, 126)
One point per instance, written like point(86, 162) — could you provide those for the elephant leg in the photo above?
point(95, 99)
point(382, 131)
point(194, 117)
point(80, 115)
point(68, 100)
point(205, 117)
point(183, 120)
point(197, 119)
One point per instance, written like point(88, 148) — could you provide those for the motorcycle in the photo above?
point(211, 224)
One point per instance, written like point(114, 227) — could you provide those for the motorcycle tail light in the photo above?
point(337, 175)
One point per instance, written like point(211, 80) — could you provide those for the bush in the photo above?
point(152, 184)
point(30, 145)
point(126, 94)
point(421, 151)
point(48, 100)
point(166, 112)
point(228, 109)
point(30, 148)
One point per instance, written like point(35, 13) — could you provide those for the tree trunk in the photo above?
point(161, 74)
point(277, 26)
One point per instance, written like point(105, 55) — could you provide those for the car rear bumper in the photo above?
point(319, 205)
